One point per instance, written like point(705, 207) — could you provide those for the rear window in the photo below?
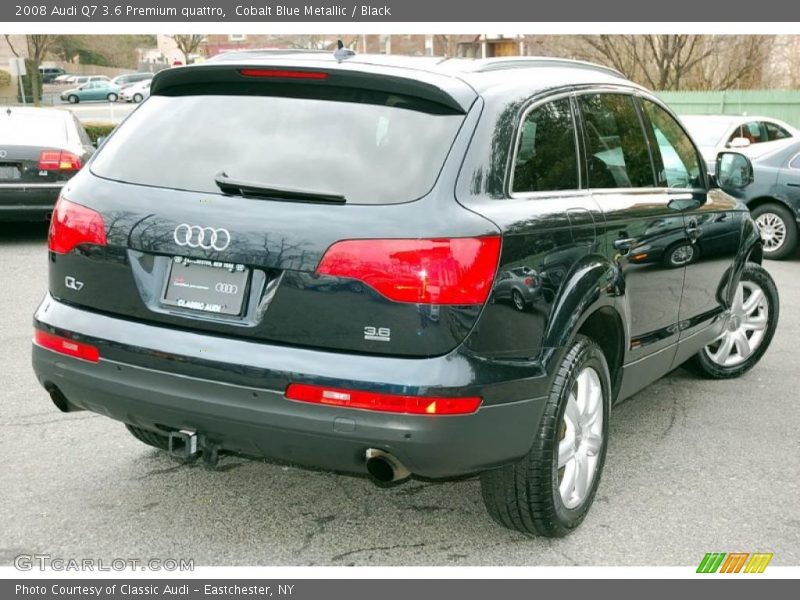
point(32, 130)
point(379, 152)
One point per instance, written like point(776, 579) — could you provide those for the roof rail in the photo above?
point(529, 62)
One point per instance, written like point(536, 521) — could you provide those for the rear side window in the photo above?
point(376, 152)
point(616, 147)
point(679, 165)
point(776, 132)
point(547, 157)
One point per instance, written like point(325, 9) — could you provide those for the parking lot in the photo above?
point(693, 466)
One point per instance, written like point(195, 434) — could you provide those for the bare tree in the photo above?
point(188, 44)
point(37, 48)
point(674, 62)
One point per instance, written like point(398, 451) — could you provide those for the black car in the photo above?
point(301, 269)
point(40, 150)
point(49, 74)
point(774, 200)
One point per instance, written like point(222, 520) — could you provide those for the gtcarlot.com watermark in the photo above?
point(45, 562)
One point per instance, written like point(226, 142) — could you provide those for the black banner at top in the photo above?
point(438, 11)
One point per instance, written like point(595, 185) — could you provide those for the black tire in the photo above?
point(137, 98)
point(151, 438)
point(702, 364)
point(525, 495)
point(73, 99)
point(670, 259)
point(790, 241)
point(112, 97)
point(518, 300)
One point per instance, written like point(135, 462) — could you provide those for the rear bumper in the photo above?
point(27, 202)
point(255, 418)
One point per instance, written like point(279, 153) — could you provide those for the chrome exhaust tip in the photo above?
point(384, 468)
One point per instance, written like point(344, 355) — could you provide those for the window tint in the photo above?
point(679, 166)
point(617, 154)
point(547, 157)
point(776, 132)
point(379, 152)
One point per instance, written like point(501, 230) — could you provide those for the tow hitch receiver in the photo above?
point(183, 444)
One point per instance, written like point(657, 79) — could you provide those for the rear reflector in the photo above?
point(283, 74)
point(72, 225)
point(58, 160)
point(425, 271)
point(413, 405)
point(66, 346)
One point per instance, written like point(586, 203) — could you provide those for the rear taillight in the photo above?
point(284, 74)
point(63, 345)
point(424, 271)
point(529, 281)
point(73, 224)
point(394, 403)
point(59, 160)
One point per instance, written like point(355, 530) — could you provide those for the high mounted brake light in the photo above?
point(72, 225)
point(394, 403)
point(422, 271)
point(283, 74)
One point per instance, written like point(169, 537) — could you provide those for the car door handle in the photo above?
point(793, 184)
point(624, 244)
point(694, 232)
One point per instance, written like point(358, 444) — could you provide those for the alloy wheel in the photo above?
point(746, 327)
point(682, 255)
point(772, 229)
point(581, 438)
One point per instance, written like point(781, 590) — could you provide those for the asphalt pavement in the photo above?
point(693, 466)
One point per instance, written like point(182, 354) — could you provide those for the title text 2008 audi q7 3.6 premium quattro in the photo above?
point(401, 267)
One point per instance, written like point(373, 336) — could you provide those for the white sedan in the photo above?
point(753, 136)
point(136, 92)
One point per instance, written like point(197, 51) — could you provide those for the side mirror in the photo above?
point(100, 140)
point(733, 171)
point(739, 142)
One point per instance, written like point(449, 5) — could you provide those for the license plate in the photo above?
point(207, 286)
point(9, 172)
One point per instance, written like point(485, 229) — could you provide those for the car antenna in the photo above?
point(341, 53)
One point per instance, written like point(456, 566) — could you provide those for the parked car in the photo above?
point(49, 74)
point(774, 200)
point(81, 79)
point(129, 79)
point(62, 79)
point(520, 286)
point(91, 91)
point(301, 269)
point(136, 92)
point(752, 136)
point(40, 150)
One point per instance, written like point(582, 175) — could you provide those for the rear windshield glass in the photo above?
point(40, 129)
point(370, 153)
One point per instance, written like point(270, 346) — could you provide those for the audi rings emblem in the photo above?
point(226, 288)
point(207, 238)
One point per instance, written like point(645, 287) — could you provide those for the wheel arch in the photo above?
point(588, 305)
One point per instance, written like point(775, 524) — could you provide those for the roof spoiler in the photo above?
point(444, 90)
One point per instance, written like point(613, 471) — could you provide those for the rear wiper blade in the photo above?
point(249, 189)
